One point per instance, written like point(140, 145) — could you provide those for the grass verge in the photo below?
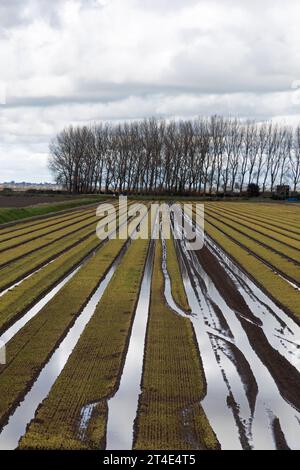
point(9, 215)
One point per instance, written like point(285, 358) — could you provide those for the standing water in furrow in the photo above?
point(122, 407)
point(281, 330)
point(16, 284)
point(24, 413)
point(37, 307)
point(256, 411)
point(215, 402)
point(11, 331)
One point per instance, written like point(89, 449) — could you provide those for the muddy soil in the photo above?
point(25, 200)
point(284, 374)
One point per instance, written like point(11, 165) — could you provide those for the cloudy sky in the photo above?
point(81, 61)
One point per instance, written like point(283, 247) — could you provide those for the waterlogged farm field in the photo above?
point(142, 343)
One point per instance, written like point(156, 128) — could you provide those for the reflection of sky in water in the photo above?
point(280, 329)
point(3, 292)
point(282, 333)
point(25, 412)
point(10, 332)
point(122, 407)
point(269, 401)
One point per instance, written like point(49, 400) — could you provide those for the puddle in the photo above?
point(167, 282)
point(282, 332)
point(236, 423)
point(56, 257)
point(242, 403)
point(11, 331)
point(85, 416)
point(3, 292)
point(33, 311)
point(24, 413)
point(122, 407)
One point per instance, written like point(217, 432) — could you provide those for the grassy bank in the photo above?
point(15, 214)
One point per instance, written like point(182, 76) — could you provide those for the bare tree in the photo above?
point(201, 155)
point(294, 158)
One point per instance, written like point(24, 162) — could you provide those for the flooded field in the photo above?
point(142, 341)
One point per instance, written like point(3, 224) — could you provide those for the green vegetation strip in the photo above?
point(173, 380)
point(93, 370)
point(282, 292)
point(177, 288)
point(9, 215)
point(22, 228)
point(45, 240)
point(273, 214)
point(276, 217)
point(49, 221)
point(279, 263)
point(18, 269)
point(48, 229)
point(19, 299)
point(31, 347)
point(259, 221)
point(267, 237)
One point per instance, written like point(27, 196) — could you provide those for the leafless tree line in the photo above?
point(205, 155)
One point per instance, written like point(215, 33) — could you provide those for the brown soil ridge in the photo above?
point(284, 374)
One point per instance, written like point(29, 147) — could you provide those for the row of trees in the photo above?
point(205, 155)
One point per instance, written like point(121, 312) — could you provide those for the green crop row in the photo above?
point(45, 230)
point(18, 269)
point(173, 382)
point(273, 213)
point(259, 222)
point(281, 291)
point(93, 370)
point(23, 228)
point(45, 240)
point(177, 288)
point(19, 299)
point(281, 243)
point(30, 348)
point(279, 263)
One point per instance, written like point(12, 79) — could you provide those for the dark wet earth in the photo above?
point(250, 351)
point(249, 347)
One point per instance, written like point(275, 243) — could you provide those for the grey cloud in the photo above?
point(14, 13)
point(128, 59)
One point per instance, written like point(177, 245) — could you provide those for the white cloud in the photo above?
point(73, 61)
